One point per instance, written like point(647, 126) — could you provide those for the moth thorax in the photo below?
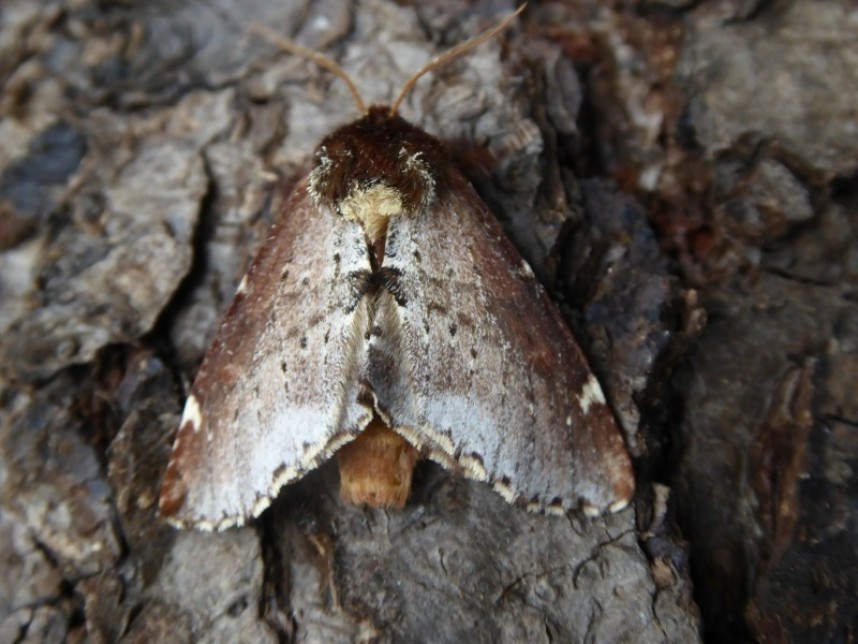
point(376, 468)
point(372, 206)
point(377, 168)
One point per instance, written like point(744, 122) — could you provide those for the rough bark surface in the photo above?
point(680, 175)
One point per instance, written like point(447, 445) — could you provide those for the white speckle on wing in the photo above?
point(260, 506)
point(442, 459)
point(592, 511)
point(415, 438)
point(192, 414)
point(618, 506)
point(591, 393)
point(242, 286)
point(226, 523)
point(473, 468)
point(504, 490)
point(555, 510)
point(287, 475)
point(439, 439)
point(336, 443)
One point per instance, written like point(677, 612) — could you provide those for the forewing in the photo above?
point(276, 392)
point(491, 377)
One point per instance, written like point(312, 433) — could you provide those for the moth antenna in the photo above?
point(320, 59)
point(455, 52)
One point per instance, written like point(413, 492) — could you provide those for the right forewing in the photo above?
point(494, 380)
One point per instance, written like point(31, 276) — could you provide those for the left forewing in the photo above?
point(276, 391)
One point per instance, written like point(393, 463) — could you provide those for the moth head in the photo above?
point(379, 166)
point(376, 168)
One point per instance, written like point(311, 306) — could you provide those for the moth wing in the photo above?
point(275, 394)
point(492, 377)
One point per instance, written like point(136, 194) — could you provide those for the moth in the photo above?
point(388, 318)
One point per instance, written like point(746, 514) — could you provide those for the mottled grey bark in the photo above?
point(751, 182)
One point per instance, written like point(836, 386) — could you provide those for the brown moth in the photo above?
point(387, 318)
